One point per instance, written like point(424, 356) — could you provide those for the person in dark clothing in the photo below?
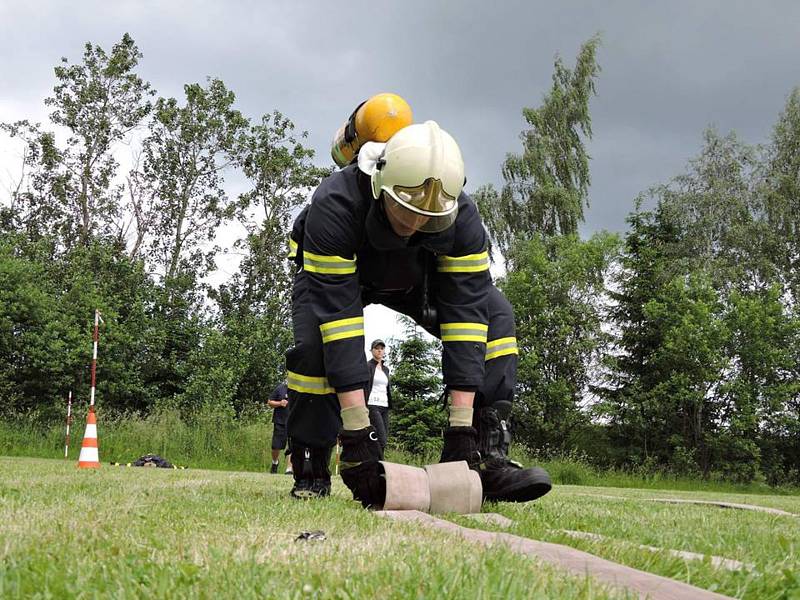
point(279, 401)
point(396, 229)
point(379, 392)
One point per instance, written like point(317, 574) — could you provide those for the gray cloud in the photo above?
point(669, 69)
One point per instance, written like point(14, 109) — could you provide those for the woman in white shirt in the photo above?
point(379, 392)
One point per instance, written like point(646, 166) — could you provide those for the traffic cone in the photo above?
point(89, 458)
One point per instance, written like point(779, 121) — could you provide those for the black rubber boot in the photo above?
point(505, 480)
point(320, 466)
point(502, 480)
point(312, 477)
point(461, 443)
point(362, 472)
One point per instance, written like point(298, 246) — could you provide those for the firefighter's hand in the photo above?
point(367, 483)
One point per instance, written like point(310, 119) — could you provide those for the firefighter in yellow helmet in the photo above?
point(395, 228)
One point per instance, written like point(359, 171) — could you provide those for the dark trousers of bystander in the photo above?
point(379, 419)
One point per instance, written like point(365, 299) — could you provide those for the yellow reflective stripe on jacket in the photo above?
point(342, 329)
point(292, 248)
point(328, 265)
point(464, 332)
point(307, 384)
point(471, 263)
point(501, 347)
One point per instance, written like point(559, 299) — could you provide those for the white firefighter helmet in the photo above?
point(421, 174)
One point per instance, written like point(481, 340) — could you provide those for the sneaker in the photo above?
point(273, 468)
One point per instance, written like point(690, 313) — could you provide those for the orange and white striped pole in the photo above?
point(90, 456)
point(69, 422)
point(95, 338)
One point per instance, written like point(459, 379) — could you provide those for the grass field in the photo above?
point(152, 533)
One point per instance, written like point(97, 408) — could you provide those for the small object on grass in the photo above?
point(311, 536)
point(152, 460)
point(149, 460)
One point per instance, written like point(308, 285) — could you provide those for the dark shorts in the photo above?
point(279, 436)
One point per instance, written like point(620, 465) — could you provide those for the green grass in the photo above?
point(229, 531)
point(212, 441)
point(153, 533)
point(770, 543)
point(217, 441)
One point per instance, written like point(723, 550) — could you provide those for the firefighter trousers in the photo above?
point(314, 420)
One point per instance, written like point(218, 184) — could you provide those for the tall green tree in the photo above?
point(71, 190)
point(700, 394)
point(715, 207)
point(644, 268)
point(557, 289)
point(417, 418)
point(47, 309)
point(255, 304)
point(761, 390)
point(186, 152)
point(31, 209)
point(782, 193)
point(683, 404)
point(547, 185)
point(100, 101)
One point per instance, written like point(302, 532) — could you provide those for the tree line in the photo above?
point(673, 346)
point(676, 345)
point(82, 230)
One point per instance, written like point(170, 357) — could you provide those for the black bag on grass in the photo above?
point(152, 460)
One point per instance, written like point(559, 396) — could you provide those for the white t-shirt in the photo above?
point(380, 383)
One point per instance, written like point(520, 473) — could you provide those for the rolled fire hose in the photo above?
point(450, 487)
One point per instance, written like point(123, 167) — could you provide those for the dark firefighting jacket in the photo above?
point(345, 245)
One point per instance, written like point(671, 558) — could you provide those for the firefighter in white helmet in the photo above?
point(396, 229)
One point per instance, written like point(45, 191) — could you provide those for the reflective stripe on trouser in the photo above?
point(342, 329)
point(314, 420)
point(500, 372)
point(500, 375)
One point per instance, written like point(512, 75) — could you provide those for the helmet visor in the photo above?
point(427, 207)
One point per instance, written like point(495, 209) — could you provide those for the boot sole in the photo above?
point(309, 494)
point(536, 485)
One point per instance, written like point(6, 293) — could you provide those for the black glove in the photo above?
point(367, 483)
point(360, 446)
point(361, 471)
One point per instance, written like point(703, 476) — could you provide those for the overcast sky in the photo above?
point(669, 69)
